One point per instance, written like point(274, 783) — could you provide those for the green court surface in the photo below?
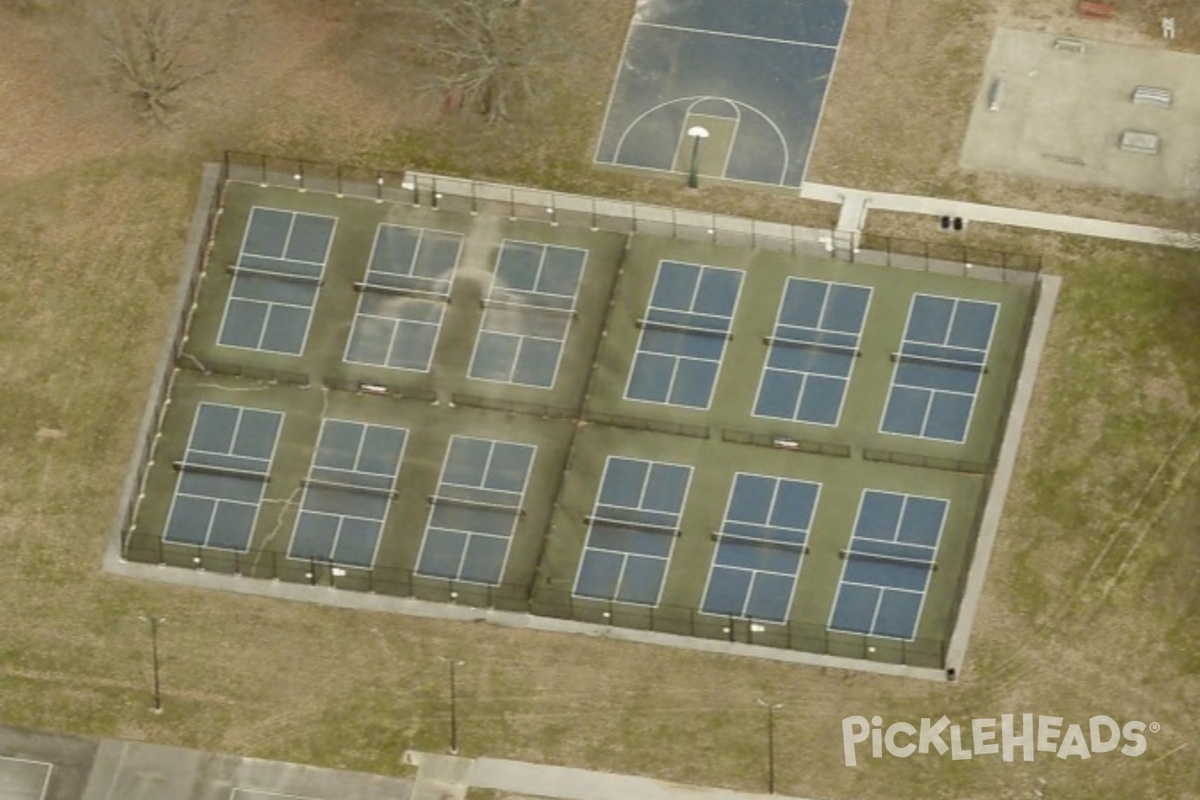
point(578, 423)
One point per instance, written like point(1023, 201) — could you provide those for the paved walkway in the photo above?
point(857, 203)
point(447, 778)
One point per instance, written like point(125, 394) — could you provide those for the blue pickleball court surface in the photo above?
point(632, 531)
point(684, 334)
point(939, 368)
point(476, 509)
point(403, 297)
point(348, 492)
point(888, 564)
point(812, 351)
point(760, 547)
point(223, 476)
point(528, 313)
point(276, 281)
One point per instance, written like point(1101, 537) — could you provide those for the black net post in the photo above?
point(433, 194)
point(262, 160)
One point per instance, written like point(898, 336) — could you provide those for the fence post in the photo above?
point(595, 227)
point(299, 176)
point(416, 199)
point(512, 203)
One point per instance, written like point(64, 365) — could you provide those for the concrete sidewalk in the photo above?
point(858, 203)
point(438, 778)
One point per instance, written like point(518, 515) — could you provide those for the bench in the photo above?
point(1095, 9)
point(1065, 43)
point(1153, 96)
point(1140, 142)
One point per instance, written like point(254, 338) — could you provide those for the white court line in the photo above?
point(793, 576)
point(217, 501)
point(934, 392)
point(412, 263)
point(734, 35)
point(845, 379)
point(521, 337)
point(49, 771)
point(262, 486)
point(429, 526)
point(684, 139)
point(677, 516)
point(236, 793)
point(358, 312)
point(676, 359)
point(317, 294)
point(612, 95)
point(387, 507)
point(812, 142)
point(883, 589)
point(629, 129)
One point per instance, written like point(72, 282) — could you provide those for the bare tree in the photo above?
point(154, 49)
point(483, 52)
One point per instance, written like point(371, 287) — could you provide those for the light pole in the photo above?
point(697, 133)
point(771, 708)
point(454, 665)
point(154, 623)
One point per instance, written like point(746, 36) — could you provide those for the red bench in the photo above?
point(1095, 9)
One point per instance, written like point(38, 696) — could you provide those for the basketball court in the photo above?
point(752, 75)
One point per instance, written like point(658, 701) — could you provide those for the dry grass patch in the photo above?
point(1088, 608)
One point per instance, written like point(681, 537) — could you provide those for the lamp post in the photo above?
point(697, 133)
point(154, 623)
point(454, 665)
point(771, 708)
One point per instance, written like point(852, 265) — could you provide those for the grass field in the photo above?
point(1089, 606)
